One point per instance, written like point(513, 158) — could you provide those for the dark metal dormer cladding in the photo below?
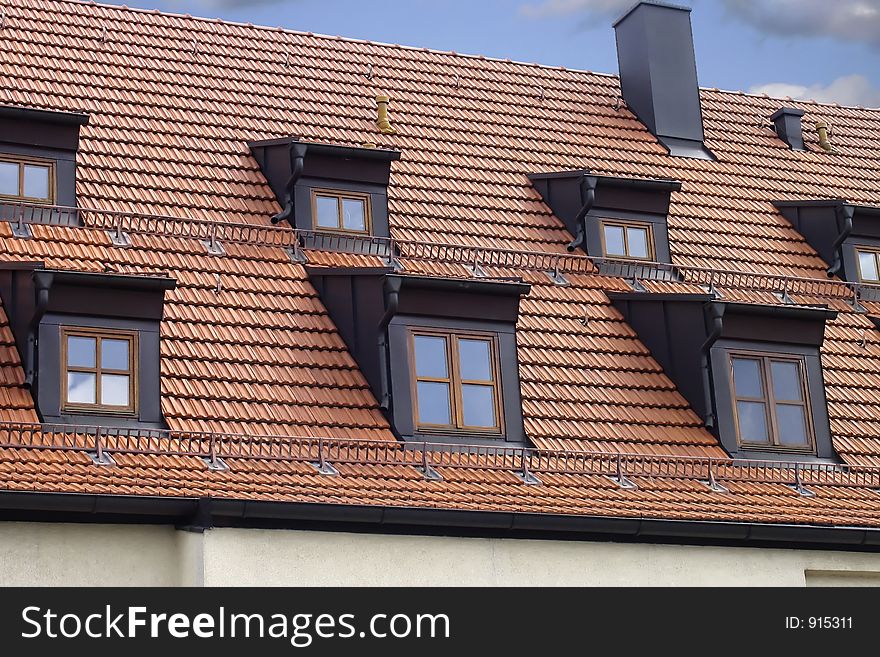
point(658, 75)
point(38, 163)
point(611, 218)
point(844, 234)
point(339, 192)
point(753, 372)
point(89, 343)
point(439, 354)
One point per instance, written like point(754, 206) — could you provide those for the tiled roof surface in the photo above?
point(247, 346)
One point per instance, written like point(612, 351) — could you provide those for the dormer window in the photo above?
point(99, 371)
point(868, 261)
point(336, 192)
point(627, 240)
point(341, 211)
point(611, 218)
point(23, 179)
point(456, 382)
point(771, 409)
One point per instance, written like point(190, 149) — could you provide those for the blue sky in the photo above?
point(827, 50)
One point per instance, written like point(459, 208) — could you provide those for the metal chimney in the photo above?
point(787, 122)
point(658, 75)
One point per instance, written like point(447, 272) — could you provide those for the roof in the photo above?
point(248, 348)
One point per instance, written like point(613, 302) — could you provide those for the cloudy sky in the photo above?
point(827, 50)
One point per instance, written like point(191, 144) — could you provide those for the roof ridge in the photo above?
point(435, 51)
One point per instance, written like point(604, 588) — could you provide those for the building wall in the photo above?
point(79, 554)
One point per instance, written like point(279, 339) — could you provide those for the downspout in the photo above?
point(297, 157)
point(844, 212)
point(588, 198)
point(716, 315)
point(42, 283)
point(392, 299)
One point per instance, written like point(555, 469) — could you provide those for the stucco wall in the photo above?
point(72, 554)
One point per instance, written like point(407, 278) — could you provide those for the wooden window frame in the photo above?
point(875, 252)
point(101, 334)
point(455, 382)
point(340, 196)
point(765, 361)
point(21, 161)
point(622, 223)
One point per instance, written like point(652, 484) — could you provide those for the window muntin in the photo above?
point(347, 212)
point(770, 402)
point(24, 179)
point(99, 371)
point(633, 241)
point(868, 262)
point(456, 382)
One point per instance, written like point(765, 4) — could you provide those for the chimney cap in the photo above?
point(786, 111)
point(652, 3)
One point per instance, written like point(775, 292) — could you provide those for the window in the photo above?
point(27, 179)
point(627, 240)
point(98, 371)
point(456, 381)
point(341, 211)
point(869, 265)
point(770, 403)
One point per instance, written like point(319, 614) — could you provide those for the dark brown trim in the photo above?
point(22, 161)
point(99, 335)
point(873, 251)
point(765, 361)
point(624, 224)
point(455, 382)
point(341, 196)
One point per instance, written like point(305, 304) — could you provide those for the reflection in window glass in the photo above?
point(353, 214)
point(792, 425)
point(478, 406)
point(81, 351)
point(637, 241)
point(81, 388)
point(9, 179)
point(614, 241)
point(114, 354)
point(328, 211)
point(475, 357)
point(434, 403)
point(747, 378)
point(752, 422)
point(36, 182)
point(431, 360)
point(786, 381)
point(868, 268)
point(115, 389)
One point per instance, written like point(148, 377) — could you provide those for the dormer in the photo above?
point(439, 354)
point(338, 192)
point(846, 235)
point(753, 372)
point(611, 218)
point(89, 343)
point(38, 163)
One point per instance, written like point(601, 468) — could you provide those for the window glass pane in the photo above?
point(752, 422)
point(792, 425)
point(431, 357)
point(638, 242)
point(80, 388)
point(81, 351)
point(354, 214)
point(9, 178)
point(434, 403)
point(614, 241)
point(475, 360)
point(114, 354)
point(328, 211)
point(36, 181)
point(478, 406)
point(868, 266)
point(747, 377)
point(114, 389)
point(786, 381)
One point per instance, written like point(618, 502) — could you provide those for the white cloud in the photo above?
point(844, 20)
point(565, 7)
point(847, 90)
